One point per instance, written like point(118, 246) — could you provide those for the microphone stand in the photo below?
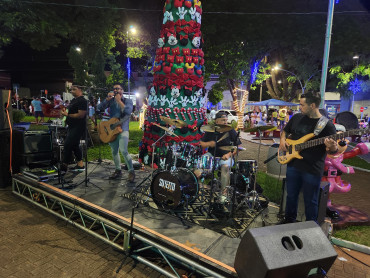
point(213, 175)
point(87, 180)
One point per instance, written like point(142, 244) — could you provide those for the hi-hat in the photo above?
point(177, 123)
point(260, 128)
point(231, 148)
point(170, 132)
point(216, 128)
point(223, 128)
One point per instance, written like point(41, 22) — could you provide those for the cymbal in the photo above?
point(177, 123)
point(231, 148)
point(166, 129)
point(214, 128)
point(260, 128)
point(207, 128)
point(223, 128)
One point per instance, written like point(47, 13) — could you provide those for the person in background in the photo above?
point(274, 116)
point(282, 115)
point(92, 114)
point(212, 114)
point(253, 118)
point(37, 108)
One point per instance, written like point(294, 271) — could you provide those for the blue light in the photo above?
point(336, 1)
point(128, 68)
point(355, 86)
point(254, 71)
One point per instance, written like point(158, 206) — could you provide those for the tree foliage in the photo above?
point(295, 41)
point(215, 95)
point(358, 76)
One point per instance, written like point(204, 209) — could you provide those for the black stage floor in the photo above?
point(216, 235)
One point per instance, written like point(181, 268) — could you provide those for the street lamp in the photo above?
point(131, 30)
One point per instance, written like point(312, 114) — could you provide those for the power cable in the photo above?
point(365, 264)
point(364, 12)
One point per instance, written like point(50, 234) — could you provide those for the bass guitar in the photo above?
point(295, 146)
point(109, 130)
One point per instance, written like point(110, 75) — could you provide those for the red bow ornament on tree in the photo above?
point(176, 51)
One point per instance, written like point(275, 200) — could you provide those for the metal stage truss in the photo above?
point(114, 230)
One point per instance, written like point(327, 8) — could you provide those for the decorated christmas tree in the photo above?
point(177, 90)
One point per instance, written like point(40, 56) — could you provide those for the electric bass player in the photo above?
point(117, 129)
point(305, 173)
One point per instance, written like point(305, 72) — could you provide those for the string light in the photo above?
point(254, 71)
point(355, 86)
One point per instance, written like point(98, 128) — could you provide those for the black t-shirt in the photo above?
point(79, 103)
point(313, 158)
point(230, 140)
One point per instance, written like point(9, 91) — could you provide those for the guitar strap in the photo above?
point(321, 124)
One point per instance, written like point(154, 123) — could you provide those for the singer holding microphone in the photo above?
point(226, 161)
point(121, 108)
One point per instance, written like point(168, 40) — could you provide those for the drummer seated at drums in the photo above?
point(228, 138)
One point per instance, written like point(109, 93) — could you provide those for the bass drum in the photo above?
point(171, 189)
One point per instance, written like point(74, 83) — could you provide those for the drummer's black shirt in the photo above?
point(232, 139)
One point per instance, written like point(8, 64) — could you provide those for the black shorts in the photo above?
point(39, 114)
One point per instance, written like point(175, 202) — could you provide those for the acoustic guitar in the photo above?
point(109, 130)
point(295, 146)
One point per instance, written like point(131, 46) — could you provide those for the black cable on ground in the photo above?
point(350, 255)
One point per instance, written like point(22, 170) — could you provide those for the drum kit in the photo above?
point(176, 183)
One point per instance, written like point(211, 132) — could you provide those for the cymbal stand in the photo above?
point(236, 172)
point(255, 197)
point(254, 192)
point(155, 143)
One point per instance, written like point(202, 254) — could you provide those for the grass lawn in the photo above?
point(358, 234)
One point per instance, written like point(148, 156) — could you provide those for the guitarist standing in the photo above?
point(76, 121)
point(121, 108)
point(306, 173)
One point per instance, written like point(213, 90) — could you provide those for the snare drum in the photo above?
point(206, 163)
point(171, 189)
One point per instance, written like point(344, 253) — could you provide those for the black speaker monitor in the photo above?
point(284, 251)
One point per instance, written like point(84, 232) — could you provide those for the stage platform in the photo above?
point(205, 243)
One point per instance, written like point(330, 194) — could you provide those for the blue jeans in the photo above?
point(310, 184)
point(121, 143)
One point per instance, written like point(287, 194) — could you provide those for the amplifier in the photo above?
point(26, 142)
point(323, 199)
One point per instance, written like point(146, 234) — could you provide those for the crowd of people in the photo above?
point(278, 118)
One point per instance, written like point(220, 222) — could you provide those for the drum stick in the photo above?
point(223, 137)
